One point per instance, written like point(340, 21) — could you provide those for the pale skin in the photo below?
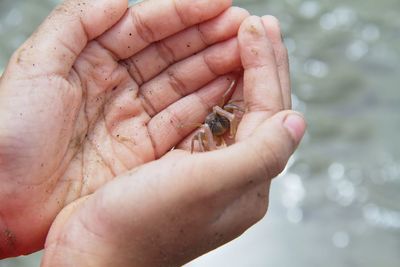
point(90, 107)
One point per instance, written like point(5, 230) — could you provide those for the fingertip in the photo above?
point(253, 42)
point(252, 26)
point(55, 45)
point(194, 12)
point(282, 132)
point(295, 123)
point(270, 20)
point(240, 12)
point(97, 23)
point(224, 26)
point(273, 28)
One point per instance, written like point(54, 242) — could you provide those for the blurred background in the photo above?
point(338, 202)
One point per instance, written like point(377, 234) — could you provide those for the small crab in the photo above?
point(217, 123)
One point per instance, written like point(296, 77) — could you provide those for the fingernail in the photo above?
point(296, 125)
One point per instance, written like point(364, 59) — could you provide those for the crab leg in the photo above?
point(197, 137)
point(232, 107)
point(205, 138)
point(228, 91)
point(223, 143)
point(211, 145)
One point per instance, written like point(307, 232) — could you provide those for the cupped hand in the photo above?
point(100, 89)
point(172, 210)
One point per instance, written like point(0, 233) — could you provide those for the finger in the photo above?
point(261, 80)
point(155, 58)
point(273, 30)
point(154, 20)
point(53, 48)
point(262, 89)
point(171, 125)
point(189, 75)
point(262, 156)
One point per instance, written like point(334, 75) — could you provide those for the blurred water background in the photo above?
point(338, 202)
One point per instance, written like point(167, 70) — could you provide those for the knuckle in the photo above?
point(257, 105)
point(133, 70)
point(143, 29)
point(176, 120)
point(185, 20)
point(23, 59)
point(165, 52)
point(209, 61)
point(176, 83)
point(202, 32)
point(270, 160)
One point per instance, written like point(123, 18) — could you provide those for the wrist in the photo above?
point(82, 237)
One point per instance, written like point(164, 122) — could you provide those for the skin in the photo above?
point(90, 107)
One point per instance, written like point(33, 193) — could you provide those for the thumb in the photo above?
point(53, 48)
point(263, 155)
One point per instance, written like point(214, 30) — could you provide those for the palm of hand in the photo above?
point(110, 126)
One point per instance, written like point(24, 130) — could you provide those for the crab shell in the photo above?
point(217, 123)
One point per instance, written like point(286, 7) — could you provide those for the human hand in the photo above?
point(97, 91)
point(172, 210)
